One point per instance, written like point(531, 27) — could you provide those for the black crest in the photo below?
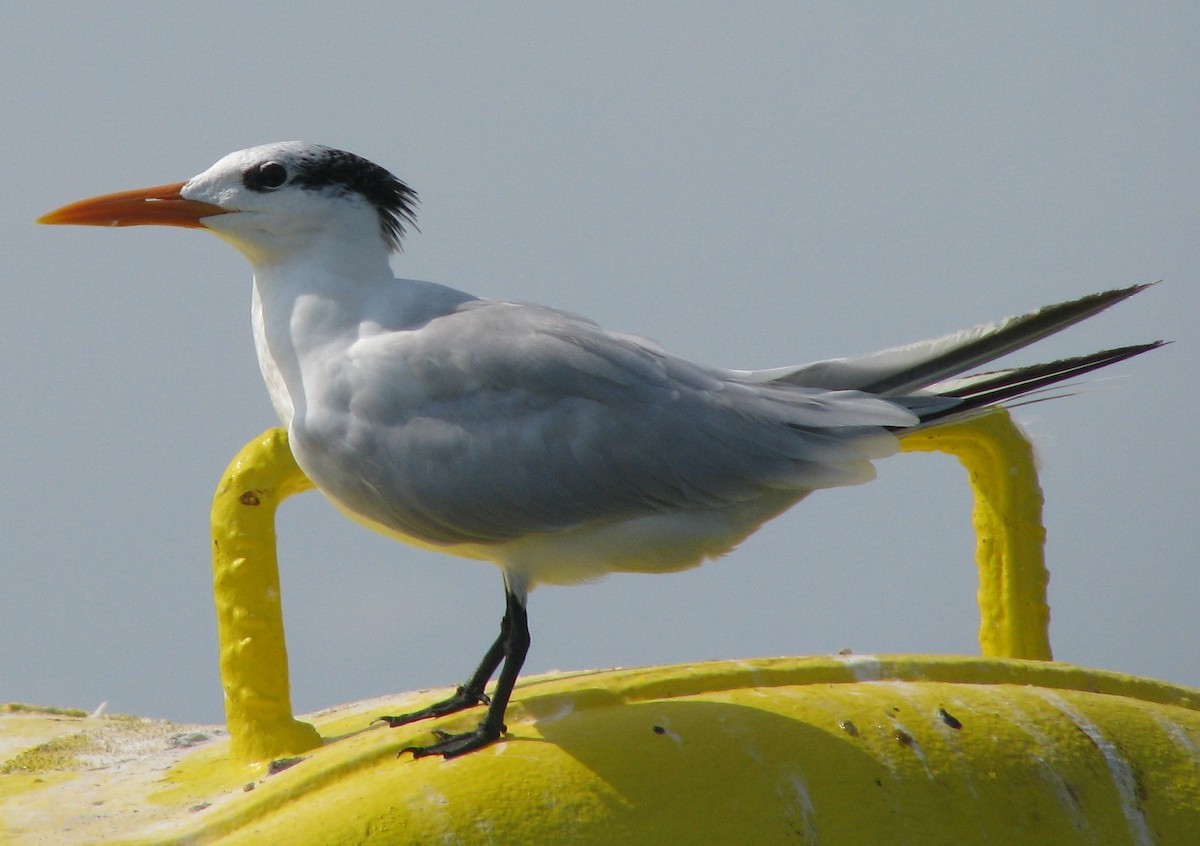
point(337, 169)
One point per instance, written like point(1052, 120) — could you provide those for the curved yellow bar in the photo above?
point(254, 668)
point(1014, 619)
point(840, 750)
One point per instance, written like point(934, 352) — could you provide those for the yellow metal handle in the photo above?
point(254, 668)
point(1014, 618)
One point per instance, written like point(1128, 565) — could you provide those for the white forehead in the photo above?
point(223, 180)
point(280, 150)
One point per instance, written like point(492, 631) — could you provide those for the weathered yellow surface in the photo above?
point(832, 750)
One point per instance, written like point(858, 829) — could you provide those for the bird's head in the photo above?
point(267, 200)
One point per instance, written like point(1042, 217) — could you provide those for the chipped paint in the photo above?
point(864, 667)
point(666, 732)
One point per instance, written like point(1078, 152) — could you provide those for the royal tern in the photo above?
point(531, 437)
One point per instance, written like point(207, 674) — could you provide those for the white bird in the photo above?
point(531, 437)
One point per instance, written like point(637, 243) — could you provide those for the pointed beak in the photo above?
point(160, 205)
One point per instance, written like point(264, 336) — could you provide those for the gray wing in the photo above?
point(502, 419)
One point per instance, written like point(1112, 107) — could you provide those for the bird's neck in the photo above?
point(307, 310)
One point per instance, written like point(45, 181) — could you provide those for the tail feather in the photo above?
point(913, 367)
point(986, 389)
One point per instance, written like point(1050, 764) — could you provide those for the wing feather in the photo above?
point(501, 419)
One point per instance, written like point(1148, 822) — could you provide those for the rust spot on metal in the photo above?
point(949, 719)
point(281, 764)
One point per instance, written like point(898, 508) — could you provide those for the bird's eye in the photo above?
point(265, 177)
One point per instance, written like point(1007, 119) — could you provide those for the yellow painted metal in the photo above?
point(253, 655)
point(1014, 618)
point(837, 750)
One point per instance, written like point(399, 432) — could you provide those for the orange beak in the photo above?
point(158, 205)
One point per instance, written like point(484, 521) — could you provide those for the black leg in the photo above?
point(510, 648)
point(467, 695)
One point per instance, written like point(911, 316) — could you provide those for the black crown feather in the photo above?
point(395, 201)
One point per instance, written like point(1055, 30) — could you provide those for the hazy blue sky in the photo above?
point(751, 185)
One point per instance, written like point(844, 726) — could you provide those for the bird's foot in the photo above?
point(453, 745)
point(460, 701)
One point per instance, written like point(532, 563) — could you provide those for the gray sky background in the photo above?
point(751, 185)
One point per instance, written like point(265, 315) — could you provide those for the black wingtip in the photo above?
point(981, 391)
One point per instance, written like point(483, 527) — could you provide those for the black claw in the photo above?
point(453, 745)
point(460, 701)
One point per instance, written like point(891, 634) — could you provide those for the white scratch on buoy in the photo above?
point(807, 812)
point(864, 667)
point(1043, 755)
point(565, 708)
point(1180, 737)
point(905, 738)
point(1118, 767)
